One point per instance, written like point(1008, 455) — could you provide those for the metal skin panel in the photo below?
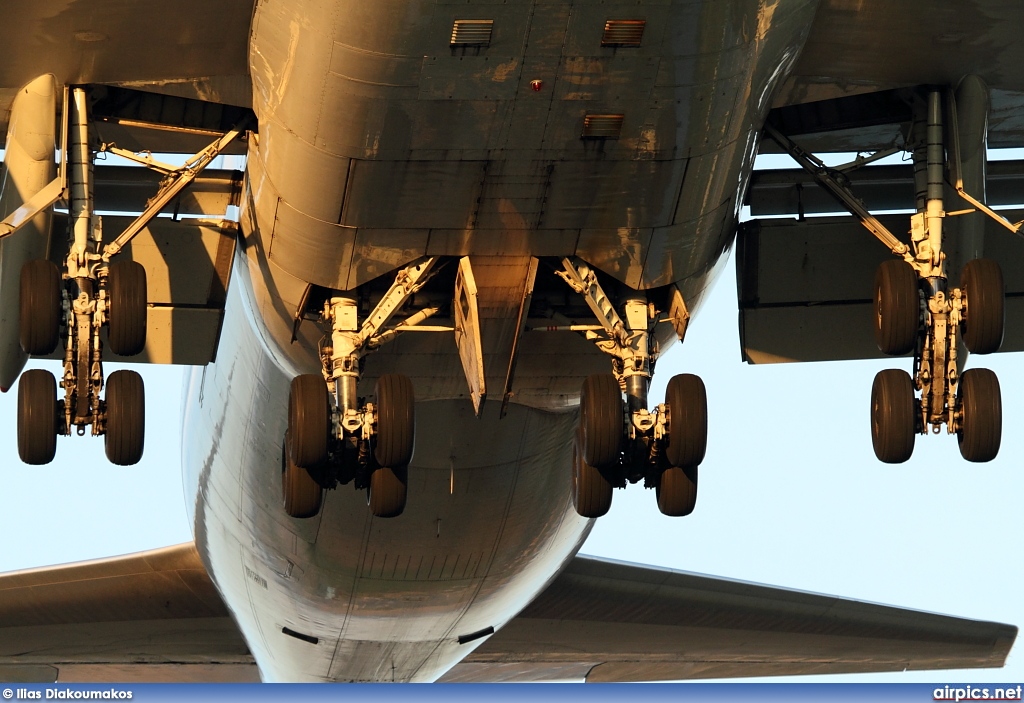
point(413, 194)
point(28, 167)
point(487, 524)
point(693, 95)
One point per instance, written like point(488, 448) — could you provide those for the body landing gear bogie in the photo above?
point(619, 440)
point(340, 437)
point(591, 491)
point(331, 448)
point(663, 448)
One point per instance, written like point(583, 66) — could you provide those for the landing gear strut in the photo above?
point(916, 310)
point(335, 435)
point(621, 441)
point(90, 292)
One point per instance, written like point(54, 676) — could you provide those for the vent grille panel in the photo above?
point(602, 126)
point(623, 32)
point(472, 32)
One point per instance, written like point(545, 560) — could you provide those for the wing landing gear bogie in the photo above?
point(92, 289)
point(918, 312)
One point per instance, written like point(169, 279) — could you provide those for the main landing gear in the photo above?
point(618, 440)
point(91, 290)
point(121, 305)
point(334, 437)
point(917, 311)
point(924, 317)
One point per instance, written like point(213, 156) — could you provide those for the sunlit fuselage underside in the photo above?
point(380, 143)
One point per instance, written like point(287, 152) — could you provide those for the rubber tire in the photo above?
point(396, 421)
point(687, 401)
point(983, 325)
point(893, 416)
point(981, 425)
point(677, 491)
point(897, 308)
point(309, 420)
point(301, 494)
point(388, 491)
point(37, 417)
point(591, 491)
point(601, 421)
point(41, 307)
point(126, 418)
point(127, 308)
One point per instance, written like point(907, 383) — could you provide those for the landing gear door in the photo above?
point(467, 334)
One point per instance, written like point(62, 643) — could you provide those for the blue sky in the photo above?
point(790, 492)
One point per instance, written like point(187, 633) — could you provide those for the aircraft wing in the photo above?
point(606, 621)
point(189, 48)
point(156, 616)
point(857, 48)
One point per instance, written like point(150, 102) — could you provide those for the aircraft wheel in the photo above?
point(40, 307)
point(677, 491)
point(37, 417)
point(981, 422)
point(127, 300)
point(126, 418)
point(687, 401)
point(309, 420)
point(591, 491)
point(388, 491)
point(897, 307)
point(982, 283)
point(601, 421)
point(893, 416)
point(302, 495)
point(396, 421)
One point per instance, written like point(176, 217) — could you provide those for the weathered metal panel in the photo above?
point(413, 194)
point(174, 335)
point(619, 80)
point(363, 65)
point(806, 289)
point(490, 77)
point(619, 252)
point(377, 252)
point(606, 194)
point(313, 250)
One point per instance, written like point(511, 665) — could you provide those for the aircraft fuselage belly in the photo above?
point(487, 525)
point(381, 143)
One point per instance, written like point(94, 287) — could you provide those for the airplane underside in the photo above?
point(425, 319)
